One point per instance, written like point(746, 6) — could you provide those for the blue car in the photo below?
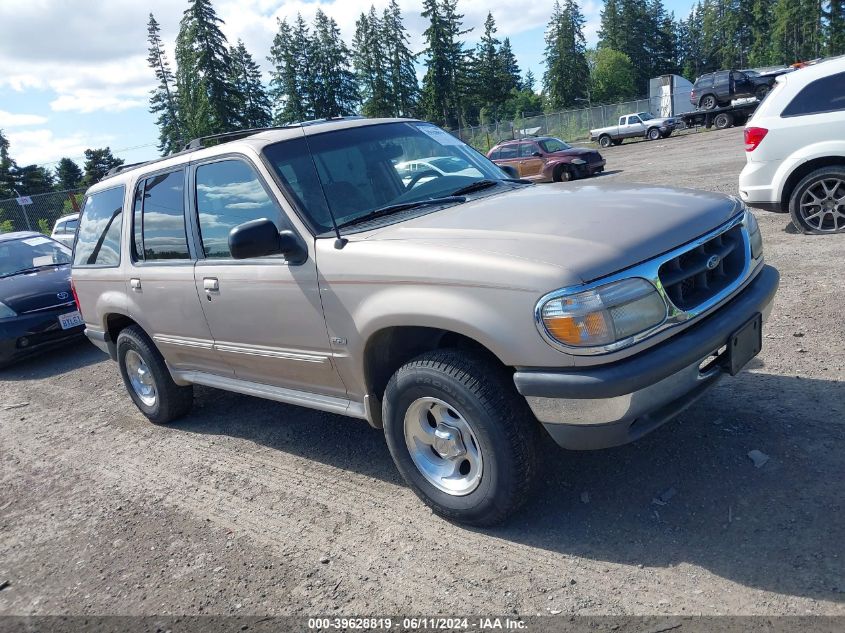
point(37, 306)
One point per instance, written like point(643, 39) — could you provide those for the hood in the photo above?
point(585, 230)
point(37, 290)
point(659, 120)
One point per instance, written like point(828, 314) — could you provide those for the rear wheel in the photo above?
point(722, 121)
point(148, 380)
point(653, 134)
point(708, 102)
point(605, 141)
point(761, 92)
point(817, 204)
point(461, 436)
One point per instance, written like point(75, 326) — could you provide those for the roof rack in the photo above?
point(199, 143)
point(120, 168)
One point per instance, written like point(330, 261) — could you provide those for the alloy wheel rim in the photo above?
point(442, 446)
point(822, 205)
point(140, 377)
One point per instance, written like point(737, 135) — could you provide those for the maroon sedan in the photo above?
point(547, 159)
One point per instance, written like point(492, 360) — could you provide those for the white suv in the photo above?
point(795, 145)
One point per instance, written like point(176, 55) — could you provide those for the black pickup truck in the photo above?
point(718, 89)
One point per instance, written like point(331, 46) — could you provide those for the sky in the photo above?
point(73, 73)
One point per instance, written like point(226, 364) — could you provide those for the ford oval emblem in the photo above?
point(713, 262)
point(62, 296)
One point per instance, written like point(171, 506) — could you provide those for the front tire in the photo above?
point(817, 204)
point(605, 141)
point(723, 121)
point(653, 134)
point(148, 380)
point(562, 173)
point(461, 436)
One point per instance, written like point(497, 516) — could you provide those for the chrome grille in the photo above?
point(704, 271)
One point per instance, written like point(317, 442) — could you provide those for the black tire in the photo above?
point(505, 432)
point(723, 121)
point(708, 102)
point(617, 141)
point(761, 92)
point(605, 141)
point(666, 134)
point(827, 223)
point(562, 173)
point(653, 134)
point(172, 401)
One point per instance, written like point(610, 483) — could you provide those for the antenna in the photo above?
point(341, 241)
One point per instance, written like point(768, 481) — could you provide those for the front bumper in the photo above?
point(29, 334)
point(609, 405)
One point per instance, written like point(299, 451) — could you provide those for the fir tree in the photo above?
point(835, 31)
point(68, 175)
point(368, 57)
point(289, 83)
point(403, 75)
point(207, 101)
point(162, 99)
point(566, 62)
point(333, 88)
point(97, 164)
point(245, 76)
point(7, 165)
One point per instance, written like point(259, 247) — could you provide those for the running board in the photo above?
point(329, 404)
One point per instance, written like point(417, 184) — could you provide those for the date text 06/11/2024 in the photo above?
point(420, 623)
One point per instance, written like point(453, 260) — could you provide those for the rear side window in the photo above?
point(822, 95)
point(507, 152)
point(98, 239)
point(496, 154)
point(229, 193)
point(159, 218)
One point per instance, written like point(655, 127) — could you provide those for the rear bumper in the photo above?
point(30, 334)
point(610, 405)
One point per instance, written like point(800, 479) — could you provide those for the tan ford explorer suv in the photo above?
point(469, 315)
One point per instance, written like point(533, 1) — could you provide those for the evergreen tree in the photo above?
point(835, 32)
point(245, 76)
point(797, 30)
point(509, 68)
point(7, 165)
point(368, 57)
point(32, 179)
point(289, 78)
point(333, 88)
point(438, 86)
point(68, 175)
point(760, 50)
point(529, 81)
point(162, 99)
point(487, 85)
point(403, 75)
point(97, 164)
point(566, 61)
point(207, 101)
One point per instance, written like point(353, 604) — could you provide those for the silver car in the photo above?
point(469, 316)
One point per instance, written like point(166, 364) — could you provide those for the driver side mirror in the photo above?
point(261, 238)
point(510, 170)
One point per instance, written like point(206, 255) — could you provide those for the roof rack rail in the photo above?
point(120, 168)
point(199, 143)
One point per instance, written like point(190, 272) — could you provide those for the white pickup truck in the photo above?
point(634, 125)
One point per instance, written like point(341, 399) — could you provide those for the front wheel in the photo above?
point(461, 436)
point(722, 121)
point(817, 204)
point(605, 141)
point(148, 380)
point(563, 174)
point(653, 134)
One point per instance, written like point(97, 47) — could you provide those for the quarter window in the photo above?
point(98, 241)
point(822, 95)
point(229, 193)
point(160, 207)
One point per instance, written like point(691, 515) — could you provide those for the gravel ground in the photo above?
point(253, 507)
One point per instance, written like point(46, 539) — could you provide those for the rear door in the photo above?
point(509, 155)
point(265, 314)
point(162, 294)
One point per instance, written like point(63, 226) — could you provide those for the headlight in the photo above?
point(754, 235)
point(6, 311)
point(605, 316)
point(578, 161)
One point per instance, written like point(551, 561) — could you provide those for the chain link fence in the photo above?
point(38, 212)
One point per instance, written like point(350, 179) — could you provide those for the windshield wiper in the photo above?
point(32, 269)
point(478, 185)
point(401, 206)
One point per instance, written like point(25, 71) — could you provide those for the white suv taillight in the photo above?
point(753, 137)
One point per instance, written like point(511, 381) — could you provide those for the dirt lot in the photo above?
point(253, 507)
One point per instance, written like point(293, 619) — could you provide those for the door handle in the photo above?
point(210, 284)
point(135, 283)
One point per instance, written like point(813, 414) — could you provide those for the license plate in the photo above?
point(71, 319)
point(745, 344)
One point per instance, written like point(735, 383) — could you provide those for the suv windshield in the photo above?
point(552, 145)
point(359, 170)
point(645, 116)
point(31, 253)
